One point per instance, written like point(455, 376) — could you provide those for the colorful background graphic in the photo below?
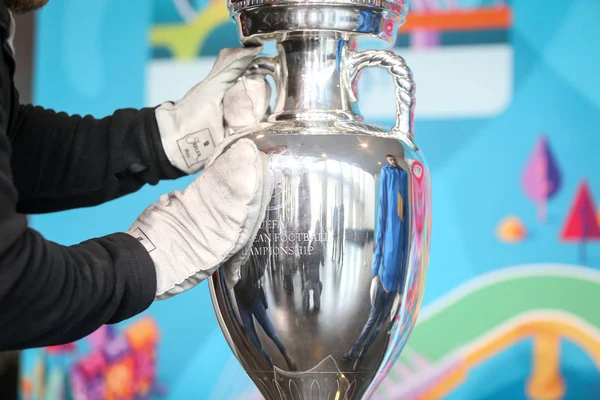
point(508, 112)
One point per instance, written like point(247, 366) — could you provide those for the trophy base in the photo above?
point(325, 381)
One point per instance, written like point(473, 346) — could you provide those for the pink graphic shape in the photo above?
point(419, 181)
point(541, 178)
point(581, 224)
point(92, 365)
point(116, 348)
point(61, 349)
point(101, 336)
point(110, 348)
point(424, 38)
point(145, 366)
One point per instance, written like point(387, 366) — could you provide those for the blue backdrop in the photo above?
point(94, 56)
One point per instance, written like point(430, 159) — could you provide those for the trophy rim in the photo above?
point(259, 20)
point(398, 8)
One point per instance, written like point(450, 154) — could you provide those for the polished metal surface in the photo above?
point(334, 280)
point(403, 79)
point(313, 261)
point(258, 20)
point(317, 76)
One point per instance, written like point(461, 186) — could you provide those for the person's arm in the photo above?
point(61, 162)
point(52, 294)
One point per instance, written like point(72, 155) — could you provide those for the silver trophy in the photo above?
point(334, 280)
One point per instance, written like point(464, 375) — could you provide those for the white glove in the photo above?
point(191, 128)
point(190, 233)
point(374, 283)
point(247, 102)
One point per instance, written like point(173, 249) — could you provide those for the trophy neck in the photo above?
point(312, 83)
point(313, 38)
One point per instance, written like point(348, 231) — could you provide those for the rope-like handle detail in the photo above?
point(403, 79)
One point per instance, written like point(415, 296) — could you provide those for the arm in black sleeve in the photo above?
point(52, 294)
point(61, 162)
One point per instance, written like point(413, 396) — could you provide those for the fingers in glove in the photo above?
point(230, 65)
point(192, 127)
point(231, 195)
point(246, 103)
point(232, 267)
point(199, 229)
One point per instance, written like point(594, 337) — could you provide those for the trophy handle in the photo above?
point(265, 66)
point(403, 80)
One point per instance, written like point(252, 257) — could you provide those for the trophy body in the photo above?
point(334, 279)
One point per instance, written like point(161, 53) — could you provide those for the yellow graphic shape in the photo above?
point(185, 41)
point(511, 230)
point(546, 328)
point(546, 382)
point(400, 207)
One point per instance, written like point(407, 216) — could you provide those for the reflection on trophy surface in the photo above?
point(333, 281)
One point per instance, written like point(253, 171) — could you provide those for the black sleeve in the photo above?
point(62, 162)
point(52, 294)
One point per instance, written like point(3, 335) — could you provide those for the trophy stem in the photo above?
point(312, 83)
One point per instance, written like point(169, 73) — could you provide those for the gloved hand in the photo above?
point(247, 102)
point(191, 128)
point(190, 233)
point(373, 292)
